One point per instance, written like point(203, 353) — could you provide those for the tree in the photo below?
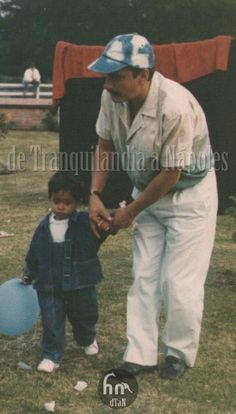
point(29, 30)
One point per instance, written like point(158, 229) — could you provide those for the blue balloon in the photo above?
point(19, 308)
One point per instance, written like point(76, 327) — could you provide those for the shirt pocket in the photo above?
point(87, 272)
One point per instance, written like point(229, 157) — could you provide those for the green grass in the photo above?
point(207, 388)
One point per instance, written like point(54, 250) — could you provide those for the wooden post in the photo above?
point(37, 92)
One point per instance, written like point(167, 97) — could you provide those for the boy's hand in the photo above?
point(107, 226)
point(25, 280)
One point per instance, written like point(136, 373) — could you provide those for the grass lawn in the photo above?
point(208, 388)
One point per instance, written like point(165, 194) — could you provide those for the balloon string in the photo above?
point(27, 345)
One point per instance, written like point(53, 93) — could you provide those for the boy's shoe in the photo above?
point(46, 365)
point(91, 349)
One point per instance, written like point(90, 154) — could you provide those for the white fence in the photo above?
point(17, 90)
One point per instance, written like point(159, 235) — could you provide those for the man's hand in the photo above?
point(99, 215)
point(122, 218)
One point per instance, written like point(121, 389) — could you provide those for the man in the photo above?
point(31, 77)
point(160, 133)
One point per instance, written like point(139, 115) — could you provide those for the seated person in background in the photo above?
point(32, 78)
point(63, 264)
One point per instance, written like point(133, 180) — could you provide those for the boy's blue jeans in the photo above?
point(80, 307)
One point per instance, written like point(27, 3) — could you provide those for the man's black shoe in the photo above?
point(137, 369)
point(172, 368)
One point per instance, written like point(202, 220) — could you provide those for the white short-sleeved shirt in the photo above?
point(58, 228)
point(170, 130)
point(31, 75)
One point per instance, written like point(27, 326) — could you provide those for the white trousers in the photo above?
point(172, 245)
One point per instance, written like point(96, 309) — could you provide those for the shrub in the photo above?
point(4, 125)
point(50, 122)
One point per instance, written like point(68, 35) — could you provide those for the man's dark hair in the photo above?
point(65, 181)
point(137, 71)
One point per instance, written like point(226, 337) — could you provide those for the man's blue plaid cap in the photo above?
point(122, 51)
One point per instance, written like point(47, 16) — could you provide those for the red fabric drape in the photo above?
point(181, 62)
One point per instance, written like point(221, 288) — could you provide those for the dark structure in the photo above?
point(78, 113)
point(217, 96)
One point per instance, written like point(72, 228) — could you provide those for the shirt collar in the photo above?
point(73, 217)
point(149, 107)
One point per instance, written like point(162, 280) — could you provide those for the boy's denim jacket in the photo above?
point(81, 264)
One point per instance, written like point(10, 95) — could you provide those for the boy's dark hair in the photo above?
point(66, 181)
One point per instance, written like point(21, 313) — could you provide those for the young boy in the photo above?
point(62, 261)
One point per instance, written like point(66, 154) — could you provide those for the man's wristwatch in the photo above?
point(94, 192)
